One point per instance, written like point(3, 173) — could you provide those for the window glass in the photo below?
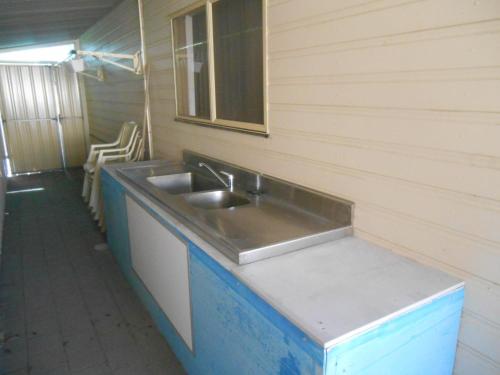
point(191, 64)
point(238, 60)
point(219, 64)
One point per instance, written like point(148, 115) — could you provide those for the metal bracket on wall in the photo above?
point(98, 76)
point(107, 56)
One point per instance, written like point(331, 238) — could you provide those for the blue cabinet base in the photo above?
point(237, 332)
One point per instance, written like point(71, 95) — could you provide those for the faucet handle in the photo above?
point(230, 177)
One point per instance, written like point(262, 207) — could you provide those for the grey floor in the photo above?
point(64, 307)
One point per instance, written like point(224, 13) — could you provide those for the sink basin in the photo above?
point(182, 183)
point(277, 217)
point(216, 199)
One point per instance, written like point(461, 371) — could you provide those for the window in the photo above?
point(219, 64)
point(191, 64)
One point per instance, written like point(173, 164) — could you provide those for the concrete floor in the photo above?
point(64, 307)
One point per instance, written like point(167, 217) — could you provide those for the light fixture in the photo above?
point(107, 56)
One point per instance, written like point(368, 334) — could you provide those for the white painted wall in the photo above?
point(120, 97)
point(393, 104)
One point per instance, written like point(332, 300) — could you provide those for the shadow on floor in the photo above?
point(64, 307)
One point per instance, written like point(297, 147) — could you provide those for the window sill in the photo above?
point(238, 127)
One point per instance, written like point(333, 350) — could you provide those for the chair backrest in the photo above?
point(130, 146)
point(135, 149)
point(120, 134)
point(128, 131)
point(138, 154)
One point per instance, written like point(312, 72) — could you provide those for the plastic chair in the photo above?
point(127, 131)
point(93, 175)
point(135, 151)
point(135, 155)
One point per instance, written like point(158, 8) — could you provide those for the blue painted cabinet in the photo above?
point(116, 219)
point(236, 332)
point(422, 341)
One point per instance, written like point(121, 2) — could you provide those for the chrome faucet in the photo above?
point(230, 177)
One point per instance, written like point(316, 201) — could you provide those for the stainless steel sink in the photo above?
point(182, 183)
point(259, 218)
point(216, 199)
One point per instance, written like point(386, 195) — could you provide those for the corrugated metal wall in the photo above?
point(28, 106)
point(3, 190)
point(120, 97)
point(73, 128)
point(30, 100)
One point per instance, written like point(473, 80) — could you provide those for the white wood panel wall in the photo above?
point(121, 96)
point(393, 104)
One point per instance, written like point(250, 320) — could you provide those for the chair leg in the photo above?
point(94, 194)
point(86, 187)
point(102, 222)
point(97, 212)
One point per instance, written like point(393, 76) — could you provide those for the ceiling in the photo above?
point(30, 22)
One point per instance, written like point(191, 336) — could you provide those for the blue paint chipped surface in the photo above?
point(233, 335)
point(289, 366)
point(236, 332)
point(420, 342)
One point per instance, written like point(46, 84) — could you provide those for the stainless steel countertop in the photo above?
point(266, 227)
point(302, 287)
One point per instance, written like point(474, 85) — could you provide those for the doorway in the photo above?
point(41, 122)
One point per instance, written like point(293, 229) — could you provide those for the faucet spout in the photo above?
point(230, 177)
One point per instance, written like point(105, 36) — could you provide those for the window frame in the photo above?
point(240, 126)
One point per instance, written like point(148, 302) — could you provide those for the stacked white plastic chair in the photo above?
point(130, 148)
point(127, 131)
point(135, 154)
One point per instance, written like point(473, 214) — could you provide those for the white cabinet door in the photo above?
point(160, 259)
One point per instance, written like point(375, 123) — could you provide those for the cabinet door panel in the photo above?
point(160, 259)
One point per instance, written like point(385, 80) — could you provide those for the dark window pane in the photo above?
point(191, 64)
point(237, 26)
